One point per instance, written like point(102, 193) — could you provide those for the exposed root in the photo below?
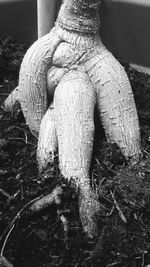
point(11, 226)
point(12, 100)
point(44, 202)
point(47, 142)
point(65, 224)
point(5, 241)
point(89, 207)
point(33, 206)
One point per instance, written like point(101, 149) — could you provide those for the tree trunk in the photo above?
point(46, 16)
point(80, 16)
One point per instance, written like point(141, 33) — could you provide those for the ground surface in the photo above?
point(44, 239)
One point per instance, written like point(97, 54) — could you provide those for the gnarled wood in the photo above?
point(47, 142)
point(74, 102)
point(32, 79)
point(12, 99)
point(71, 67)
point(116, 103)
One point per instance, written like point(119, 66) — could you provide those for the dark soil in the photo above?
point(43, 239)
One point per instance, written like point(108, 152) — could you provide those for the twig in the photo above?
point(26, 137)
point(10, 229)
point(35, 205)
point(118, 208)
point(146, 152)
point(39, 203)
point(65, 223)
point(17, 217)
point(4, 193)
point(3, 94)
point(114, 264)
point(21, 139)
point(5, 241)
point(97, 161)
point(143, 260)
point(18, 138)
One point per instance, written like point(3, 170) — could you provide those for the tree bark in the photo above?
point(47, 141)
point(80, 16)
point(32, 79)
point(82, 74)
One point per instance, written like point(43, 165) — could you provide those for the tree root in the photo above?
point(89, 207)
point(12, 100)
point(32, 206)
point(46, 201)
point(88, 210)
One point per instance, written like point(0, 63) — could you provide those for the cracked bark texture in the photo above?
point(80, 16)
point(63, 76)
point(47, 141)
point(116, 103)
point(32, 79)
point(74, 103)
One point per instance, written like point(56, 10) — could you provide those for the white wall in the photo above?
point(125, 29)
point(18, 18)
point(11, 1)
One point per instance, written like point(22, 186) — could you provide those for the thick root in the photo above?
point(115, 103)
point(33, 79)
point(47, 142)
point(12, 100)
point(89, 208)
point(66, 55)
point(46, 201)
point(80, 16)
point(74, 103)
point(54, 76)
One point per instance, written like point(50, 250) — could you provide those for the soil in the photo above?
point(54, 236)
